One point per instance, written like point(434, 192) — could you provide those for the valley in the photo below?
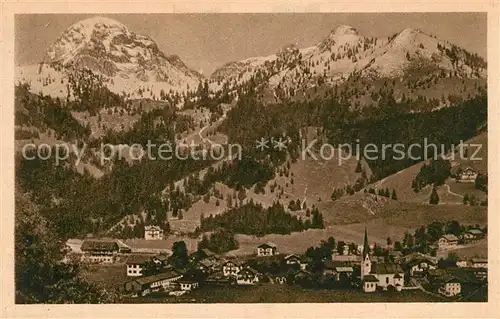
point(103, 87)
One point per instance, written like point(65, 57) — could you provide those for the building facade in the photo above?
point(267, 249)
point(152, 232)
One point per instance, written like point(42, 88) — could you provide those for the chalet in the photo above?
point(447, 241)
point(419, 264)
point(267, 249)
point(466, 175)
point(203, 254)
point(355, 259)
point(231, 268)
point(152, 232)
point(292, 259)
point(143, 286)
point(338, 269)
point(449, 286)
point(207, 265)
point(161, 259)
point(99, 250)
point(188, 285)
point(135, 264)
point(247, 276)
point(479, 263)
point(472, 235)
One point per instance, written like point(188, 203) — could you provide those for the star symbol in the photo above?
point(279, 144)
point(262, 144)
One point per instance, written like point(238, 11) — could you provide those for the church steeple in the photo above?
point(366, 246)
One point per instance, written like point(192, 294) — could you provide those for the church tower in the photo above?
point(366, 263)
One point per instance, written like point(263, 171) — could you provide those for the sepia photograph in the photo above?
point(250, 158)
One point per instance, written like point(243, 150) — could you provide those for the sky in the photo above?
point(207, 41)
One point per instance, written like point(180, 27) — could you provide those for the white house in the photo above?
point(420, 263)
point(135, 264)
point(267, 249)
point(231, 268)
point(152, 232)
point(144, 285)
point(479, 263)
point(247, 276)
point(467, 175)
point(447, 241)
point(100, 250)
point(188, 285)
point(473, 235)
point(450, 287)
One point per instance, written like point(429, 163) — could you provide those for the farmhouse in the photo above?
point(339, 270)
point(247, 276)
point(447, 241)
point(479, 263)
point(267, 249)
point(292, 259)
point(152, 232)
point(231, 268)
point(449, 286)
point(188, 285)
point(466, 175)
point(473, 235)
point(135, 264)
point(418, 263)
point(99, 250)
point(143, 286)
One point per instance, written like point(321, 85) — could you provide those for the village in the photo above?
point(172, 275)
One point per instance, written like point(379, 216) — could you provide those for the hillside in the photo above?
point(450, 193)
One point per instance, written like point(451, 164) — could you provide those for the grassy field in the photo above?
point(479, 249)
point(110, 277)
point(269, 293)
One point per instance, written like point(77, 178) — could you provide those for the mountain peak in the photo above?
point(87, 26)
point(344, 30)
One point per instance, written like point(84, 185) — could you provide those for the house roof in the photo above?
point(138, 259)
point(417, 256)
point(292, 256)
point(344, 269)
point(234, 262)
point(346, 258)
point(386, 268)
point(334, 264)
point(207, 263)
point(479, 260)
point(370, 278)
point(450, 237)
point(207, 252)
point(475, 232)
point(267, 245)
point(99, 244)
point(449, 279)
point(158, 277)
point(250, 270)
point(152, 227)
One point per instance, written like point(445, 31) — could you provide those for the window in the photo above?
point(386, 280)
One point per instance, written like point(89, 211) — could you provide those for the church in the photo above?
point(377, 274)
